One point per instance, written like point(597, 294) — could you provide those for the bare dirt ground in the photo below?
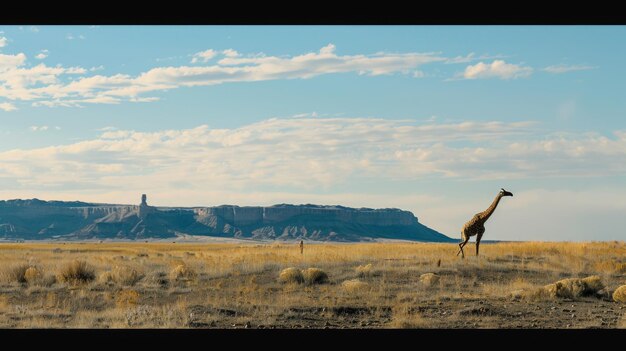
point(374, 285)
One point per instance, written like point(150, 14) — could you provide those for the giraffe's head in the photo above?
point(505, 193)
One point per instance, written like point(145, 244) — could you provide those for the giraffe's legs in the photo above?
point(461, 245)
point(478, 237)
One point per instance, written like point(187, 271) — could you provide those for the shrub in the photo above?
point(157, 278)
point(183, 272)
point(619, 295)
point(126, 275)
point(291, 275)
point(574, 287)
point(16, 273)
point(593, 283)
point(32, 274)
point(354, 285)
point(314, 276)
point(77, 272)
point(127, 298)
point(106, 277)
point(429, 279)
point(364, 271)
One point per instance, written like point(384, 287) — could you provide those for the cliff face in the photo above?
point(36, 219)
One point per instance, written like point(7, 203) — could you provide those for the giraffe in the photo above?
point(476, 225)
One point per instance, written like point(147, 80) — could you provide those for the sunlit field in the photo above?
point(373, 285)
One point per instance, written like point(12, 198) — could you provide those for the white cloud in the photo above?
point(70, 37)
point(497, 69)
point(96, 68)
point(309, 115)
point(203, 56)
point(3, 41)
point(10, 62)
point(230, 53)
point(33, 29)
point(106, 129)
point(7, 106)
point(565, 68)
point(51, 86)
point(38, 128)
point(42, 55)
point(472, 57)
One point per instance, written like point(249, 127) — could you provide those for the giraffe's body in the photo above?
point(476, 225)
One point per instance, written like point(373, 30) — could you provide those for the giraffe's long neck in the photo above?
point(489, 211)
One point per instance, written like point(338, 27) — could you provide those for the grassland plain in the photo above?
point(369, 285)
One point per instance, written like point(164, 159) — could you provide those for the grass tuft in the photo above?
point(77, 272)
point(291, 275)
point(315, 276)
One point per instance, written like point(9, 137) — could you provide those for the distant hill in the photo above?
point(36, 219)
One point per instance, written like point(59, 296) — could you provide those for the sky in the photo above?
point(429, 119)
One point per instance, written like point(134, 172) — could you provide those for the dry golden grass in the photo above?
point(574, 287)
point(291, 275)
point(16, 273)
point(429, 279)
point(354, 285)
point(127, 298)
point(183, 272)
point(314, 276)
point(364, 271)
point(77, 272)
point(404, 317)
point(619, 295)
point(156, 285)
point(127, 275)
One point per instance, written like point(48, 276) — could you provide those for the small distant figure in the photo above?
point(439, 262)
point(301, 247)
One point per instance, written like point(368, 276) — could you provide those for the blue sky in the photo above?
point(432, 119)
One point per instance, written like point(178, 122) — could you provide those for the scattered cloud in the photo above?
point(7, 107)
point(76, 86)
point(472, 57)
point(43, 128)
point(3, 41)
point(306, 115)
point(497, 69)
point(71, 36)
point(230, 53)
point(106, 129)
point(291, 154)
point(53, 86)
point(42, 54)
point(565, 68)
point(33, 29)
point(203, 56)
